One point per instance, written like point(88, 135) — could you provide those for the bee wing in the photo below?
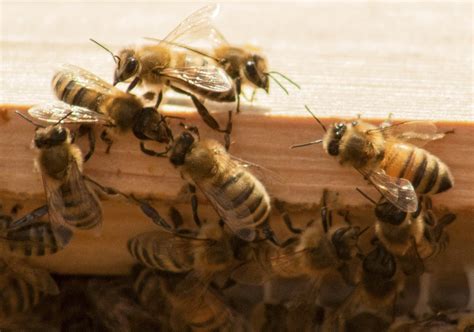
point(89, 203)
point(59, 111)
point(415, 132)
point(398, 191)
point(198, 26)
point(38, 278)
point(210, 78)
point(163, 246)
point(251, 273)
point(87, 79)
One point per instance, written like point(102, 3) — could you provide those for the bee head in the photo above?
point(255, 71)
point(333, 138)
point(51, 136)
point(181, 148)
point(151, 125)
point(389, 213)
point(345, 241)
point(127, 66)
point(380, 262)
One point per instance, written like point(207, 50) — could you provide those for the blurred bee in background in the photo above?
point(160, 66)
point(98, 102)
point(314, 252)
point(237, 195)
point(370, 307)
point(388, 158)
point(156, 291)
point(23, 286)
point(71, 202)
point(246, 65)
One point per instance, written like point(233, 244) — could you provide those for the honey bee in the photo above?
point(370, 307)
point(34, 237)
point(98, 102)
point(246, 65)
point(238, 196)
point(23, 286)
point(71, 202)
point(156, 291)
point(388, 158)
point(316, 251)
point(161, 66)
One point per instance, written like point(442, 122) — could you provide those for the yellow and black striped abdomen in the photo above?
point(17, 296)
point(427, 173)
point(240, 196)
point(74, 92)
point(144, 249)
point(37, 239)
point(82, 209)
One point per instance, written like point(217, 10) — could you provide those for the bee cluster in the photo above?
point(323, 276)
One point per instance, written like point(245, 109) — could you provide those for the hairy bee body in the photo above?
point(70, 87)
point(238, 196)
point(60, 163)
point(365, 146)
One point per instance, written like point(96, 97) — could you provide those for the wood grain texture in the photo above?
point(412, 60)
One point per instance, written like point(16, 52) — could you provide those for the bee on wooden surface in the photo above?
point(35, 237)
point(314, 252)
point(237, 195)
point(98, 102)
point(388, 158)
point(157, 292)
point(370, 307)
point(161, 66)
point(72, 202)
point(23, 286)
point(246, 65)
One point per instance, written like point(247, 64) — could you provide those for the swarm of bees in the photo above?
point(185, 277)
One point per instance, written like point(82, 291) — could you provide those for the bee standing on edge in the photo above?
point(388, 158)
point(102, 103)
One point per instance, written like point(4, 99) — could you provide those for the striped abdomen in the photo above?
point(146, 249)
point(82, 209)
point(239, 196)
point(74, 91)
point(17, 296)
point(427, 173)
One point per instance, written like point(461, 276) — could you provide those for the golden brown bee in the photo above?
point(33, 237)
point(238, 196)
point(388, 158)
point(72, 203)
point(316, 251)
point(156, 291)
point(370, 307)
point(23, 286)
point(98, 102)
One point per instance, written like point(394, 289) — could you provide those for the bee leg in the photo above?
point(159, 99)
point(194, 205)
point(153, 153)
point(238, 90)
point(205, 115)
point(269, 234)
point(133, 84)
point(91, 139)
point(228, 132)
point(104, 136)
point(254, 93)
point(286, 218)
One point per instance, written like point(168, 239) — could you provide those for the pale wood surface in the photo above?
point(414, 60)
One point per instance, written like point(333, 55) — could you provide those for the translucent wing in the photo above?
point(251, 273)
point(36, 277)
point(415, 132)
point(198, 26)
point(55, 111)
point(204, 79)
point(398, 191)
point(87, 79)
point(84, 200)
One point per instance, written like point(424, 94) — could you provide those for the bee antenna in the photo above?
point(366, 196)
point(115, 57)
point(63, 118)
point(278, 82)
point(285, 77)
point(364, 230)
point(29, 120)
point(316, 118)
point(319, 141)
